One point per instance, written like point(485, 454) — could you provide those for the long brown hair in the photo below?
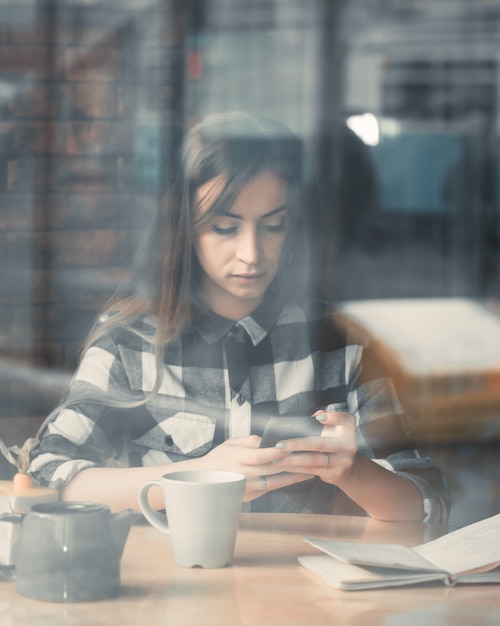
point(236, 147)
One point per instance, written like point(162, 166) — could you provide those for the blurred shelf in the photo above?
point(443, 355)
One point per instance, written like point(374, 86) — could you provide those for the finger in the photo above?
point(336, 424)
point(250, 455)
point(306, 461)
point(319, 464)
point(246, 441)
point(284, 479)
point(327, 443)
point(334, 418)
point(260, 485)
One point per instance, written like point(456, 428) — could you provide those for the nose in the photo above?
point(249, 247)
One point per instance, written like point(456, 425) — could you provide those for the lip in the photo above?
point(247, 277)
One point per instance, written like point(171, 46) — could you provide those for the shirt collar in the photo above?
point(213, 327)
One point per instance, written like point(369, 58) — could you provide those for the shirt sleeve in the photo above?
point(83, 432)
point(383, 434)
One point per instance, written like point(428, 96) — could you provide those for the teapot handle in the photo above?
point(157, 520)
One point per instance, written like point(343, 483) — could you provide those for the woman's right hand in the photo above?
point(243, 455)
point(117, 487)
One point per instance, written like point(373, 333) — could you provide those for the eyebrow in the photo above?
point(279, 209)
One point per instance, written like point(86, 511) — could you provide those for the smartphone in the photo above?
point(289, 427)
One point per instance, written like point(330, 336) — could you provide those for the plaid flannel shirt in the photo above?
point(222, 379)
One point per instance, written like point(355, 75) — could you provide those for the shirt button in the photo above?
point(241, 400)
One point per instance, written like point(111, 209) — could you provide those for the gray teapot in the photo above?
point(71, 551)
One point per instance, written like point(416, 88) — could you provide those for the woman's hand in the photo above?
point(330, 456)
point(243, 455)
point(335, 458)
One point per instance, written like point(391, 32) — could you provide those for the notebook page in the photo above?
point(465, 549)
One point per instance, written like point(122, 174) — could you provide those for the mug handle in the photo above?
point(155, 519)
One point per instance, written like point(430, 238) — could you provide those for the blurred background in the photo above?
point(397, 102)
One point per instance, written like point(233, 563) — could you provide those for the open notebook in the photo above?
point(467, 555)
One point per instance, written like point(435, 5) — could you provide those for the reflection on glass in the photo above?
point(397, 103)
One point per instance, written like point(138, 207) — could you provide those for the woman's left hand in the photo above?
point(330, 456)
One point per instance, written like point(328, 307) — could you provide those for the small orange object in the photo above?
point(21, 481)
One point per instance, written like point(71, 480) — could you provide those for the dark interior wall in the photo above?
point(89, 93)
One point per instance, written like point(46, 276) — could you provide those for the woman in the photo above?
point(222, 336)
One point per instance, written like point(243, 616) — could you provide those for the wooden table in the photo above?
point(265, 585)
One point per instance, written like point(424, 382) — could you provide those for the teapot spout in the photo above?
point(120, 525)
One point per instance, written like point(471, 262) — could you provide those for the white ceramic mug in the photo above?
point(203, 512)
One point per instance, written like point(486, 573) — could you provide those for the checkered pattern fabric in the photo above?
point(222, 379)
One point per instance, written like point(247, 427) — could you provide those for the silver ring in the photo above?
point(263, 483)
point(327, 459)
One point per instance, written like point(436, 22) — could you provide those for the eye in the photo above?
point(225, 226)
point(224, 230)
point(275, 226)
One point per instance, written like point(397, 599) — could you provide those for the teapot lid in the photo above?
point(69, 508)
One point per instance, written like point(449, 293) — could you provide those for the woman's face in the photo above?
point(240, 253)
